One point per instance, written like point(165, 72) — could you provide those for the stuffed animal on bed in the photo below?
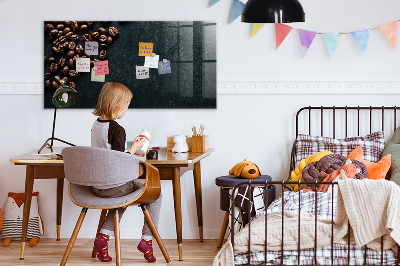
point(296, 174)
point(13, 215)
point(245, 169)
point(348, 170)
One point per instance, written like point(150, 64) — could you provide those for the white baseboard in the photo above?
point(259, 87)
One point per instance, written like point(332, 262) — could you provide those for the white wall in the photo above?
point(257, 127)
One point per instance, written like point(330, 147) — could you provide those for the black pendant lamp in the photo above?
point(273, 11)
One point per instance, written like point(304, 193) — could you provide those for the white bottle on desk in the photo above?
point(144, 134)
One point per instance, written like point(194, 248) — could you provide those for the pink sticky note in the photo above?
point(102, 68)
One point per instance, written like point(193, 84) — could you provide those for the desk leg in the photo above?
point(27, 206)
point(199, 204)
point(176, 182)
point(60, 190)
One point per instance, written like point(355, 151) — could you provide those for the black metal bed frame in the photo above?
point(283, 184)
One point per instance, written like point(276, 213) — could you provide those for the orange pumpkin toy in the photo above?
point(245, 169)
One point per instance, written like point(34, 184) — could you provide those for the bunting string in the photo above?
point(361, 37)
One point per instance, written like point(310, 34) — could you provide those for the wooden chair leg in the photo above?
point(101, 222)
point(154, 230)
point(73, 237)
point(223, 229)
point(117, 239)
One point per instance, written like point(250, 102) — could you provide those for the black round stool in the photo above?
point(228, 182)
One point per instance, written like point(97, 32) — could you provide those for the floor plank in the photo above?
point(49, 252)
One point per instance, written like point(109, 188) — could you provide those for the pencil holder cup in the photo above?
point(200, 143)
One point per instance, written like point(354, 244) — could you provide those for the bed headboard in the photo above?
point(344, 121)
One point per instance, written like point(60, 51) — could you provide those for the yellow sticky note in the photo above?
point(145, 48)
point(98, 78)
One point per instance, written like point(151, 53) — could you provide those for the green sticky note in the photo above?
point(98, 78)
point(128, 145)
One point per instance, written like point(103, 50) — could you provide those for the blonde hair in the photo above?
point(112, 99)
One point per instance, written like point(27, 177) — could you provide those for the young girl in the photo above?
point(113, 103)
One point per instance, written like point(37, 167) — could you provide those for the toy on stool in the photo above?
point(245, 169)
point(13, 215)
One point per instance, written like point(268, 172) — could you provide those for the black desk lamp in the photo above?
point(273, 11)
point(65, 96)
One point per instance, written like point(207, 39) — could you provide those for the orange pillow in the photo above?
point(375, 170)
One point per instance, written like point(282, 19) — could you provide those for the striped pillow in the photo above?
point(372, 145)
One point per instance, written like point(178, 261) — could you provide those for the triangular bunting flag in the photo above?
point(255, 28)
point(361, 37)
point(213, 2)
point(306, 39)
point(332, 41)
point(237, 9)
point(389, 30)
point(281, 31)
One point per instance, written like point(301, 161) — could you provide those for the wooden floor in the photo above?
point(50, 252)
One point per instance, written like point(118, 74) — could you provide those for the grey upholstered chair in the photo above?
point(85, 167)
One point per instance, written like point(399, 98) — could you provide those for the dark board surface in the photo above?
point(190, 46)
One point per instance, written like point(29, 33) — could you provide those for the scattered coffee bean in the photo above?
point(83, 27)
point(73, 73)
point(67, 23)
point(90, 24)
point(70, 53)
point(54, 85)
point(63, 46)
point(53, 67)
point(57, 79)
point(95, 35)
point(62, 39)
point(71, 63)
point(47, 75)
point(92, 63)
point(86, 37)
point(54, 32)
point(51, 60)
point(113, 31)
point(62, 62)
point(102, 31)
point(47, 84)
point(74, 26)
point(56, 50)
point(65, 80)
point(65, 70)
point(103, 38)
point(72, 45)
point(109, 40)
point(103, 54)
point(66, 30)
point(60, 27)
point(72, 85)
point(79, 49)
point(75, 37)
point(48, 27)
point(81, 23)
point(68, 35)
point(103, 46)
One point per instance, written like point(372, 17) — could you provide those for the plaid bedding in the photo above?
point(322, 207)
point(372, 145)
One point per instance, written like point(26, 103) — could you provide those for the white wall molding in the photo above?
point(309, 87)
point(260, 87)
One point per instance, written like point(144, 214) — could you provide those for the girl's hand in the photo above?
point(142, 155)
point(137, 144)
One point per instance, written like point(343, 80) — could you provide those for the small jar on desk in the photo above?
point(228, 182)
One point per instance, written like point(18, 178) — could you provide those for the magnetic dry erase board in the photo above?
point(182, 76)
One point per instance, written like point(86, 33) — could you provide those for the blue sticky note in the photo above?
point(164, 67)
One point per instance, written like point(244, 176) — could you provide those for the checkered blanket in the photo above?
point(324, 206)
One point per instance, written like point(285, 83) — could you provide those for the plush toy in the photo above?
point(13, 215)
point(180, 144)
point(375, 170)
point(348, 170)
point(296, 174)
point(245, 169)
